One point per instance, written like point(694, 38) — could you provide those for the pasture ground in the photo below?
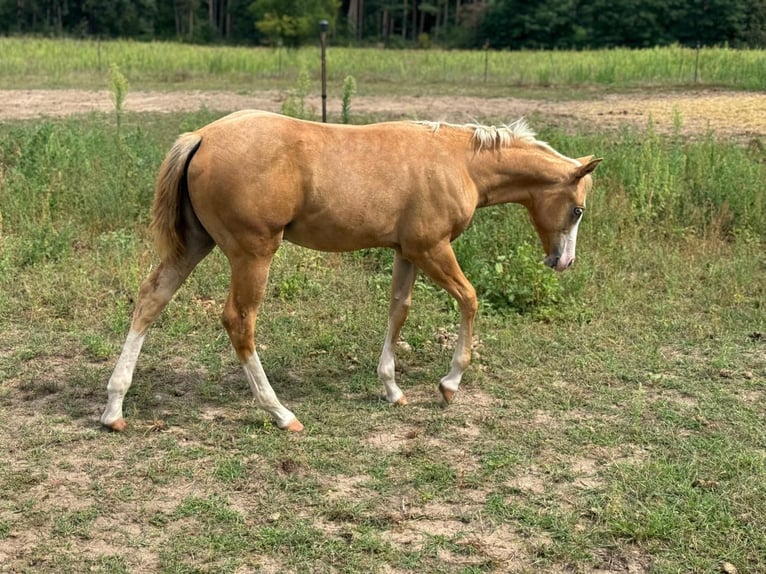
point(627, 437)
point(742, 114)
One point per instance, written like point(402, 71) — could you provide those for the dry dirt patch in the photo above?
point(738, 114)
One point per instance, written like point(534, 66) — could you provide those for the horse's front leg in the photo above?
point(401, 298)
point(442, 266)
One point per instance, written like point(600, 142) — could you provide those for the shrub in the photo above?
point(502, 258)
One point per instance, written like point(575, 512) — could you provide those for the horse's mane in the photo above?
point(490, 137)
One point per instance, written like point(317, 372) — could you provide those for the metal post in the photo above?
point(323, 26)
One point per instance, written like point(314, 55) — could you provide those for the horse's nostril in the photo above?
point(571, 263)
point(551, 261)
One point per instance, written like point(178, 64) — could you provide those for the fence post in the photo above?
point(323, 26)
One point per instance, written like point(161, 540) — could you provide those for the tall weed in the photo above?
point(118, 85)
point(673, 184)
point(349, 89)
point(37, 62)
point(295, 103)
point(67, 181)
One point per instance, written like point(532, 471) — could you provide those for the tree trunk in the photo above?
point(228, 23)
point(191, 19)
point(384, 26)
point(404, 21)
point(360, 19)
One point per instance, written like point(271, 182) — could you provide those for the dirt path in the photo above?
point(738, 114)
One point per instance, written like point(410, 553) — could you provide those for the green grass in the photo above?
point(616, 425)
point(32, 62)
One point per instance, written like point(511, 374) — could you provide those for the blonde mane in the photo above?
point(502, 136)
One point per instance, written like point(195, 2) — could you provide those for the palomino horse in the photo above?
point(252, 179)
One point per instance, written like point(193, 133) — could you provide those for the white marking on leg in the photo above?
point(387, 371)
point(401, 297)
point(122, 377)
point(264, 395)
point(451, 380)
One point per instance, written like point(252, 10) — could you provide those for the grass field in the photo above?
point(616, 425)
point(35, 63)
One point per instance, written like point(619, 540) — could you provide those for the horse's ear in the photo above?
point(588, 165)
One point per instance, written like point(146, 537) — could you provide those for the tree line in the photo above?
point(500, 24)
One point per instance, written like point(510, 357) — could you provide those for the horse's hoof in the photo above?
point(294, 426)
point(447, 394)
point(116, 426)
point(402, 402)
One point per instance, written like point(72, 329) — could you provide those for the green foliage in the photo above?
point(349, 89)
point(118, 85)
point(295, 103)
point(515, 24)
point(682, 184)
point(66, 182)
point(502, 257)
point(70, 63)
point(519, 281)
point(556, 24)
point(292, 22)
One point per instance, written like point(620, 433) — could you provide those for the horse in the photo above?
point(253, 179)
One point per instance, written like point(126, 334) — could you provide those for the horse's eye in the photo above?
point(577, 211)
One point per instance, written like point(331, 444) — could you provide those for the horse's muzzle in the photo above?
point(559, 263)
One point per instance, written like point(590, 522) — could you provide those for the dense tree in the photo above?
point(515, 24)
point(292, 21)
point(119, 18)
point(631, 23)
point(543, 24)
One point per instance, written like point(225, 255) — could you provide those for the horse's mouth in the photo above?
point(558, 262)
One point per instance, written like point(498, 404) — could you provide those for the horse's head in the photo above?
point(557, 212)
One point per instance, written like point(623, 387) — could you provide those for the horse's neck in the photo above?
point(513, 174)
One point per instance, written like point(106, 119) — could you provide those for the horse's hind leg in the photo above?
point(401, 298)
point(155, 293)
point(249, 275)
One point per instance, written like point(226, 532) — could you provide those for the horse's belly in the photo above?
point(338, 236)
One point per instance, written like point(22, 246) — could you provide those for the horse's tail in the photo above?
point(167, 225)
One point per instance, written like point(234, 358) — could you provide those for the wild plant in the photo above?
point(349, 89)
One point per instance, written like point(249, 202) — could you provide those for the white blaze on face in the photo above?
point(568, 245)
